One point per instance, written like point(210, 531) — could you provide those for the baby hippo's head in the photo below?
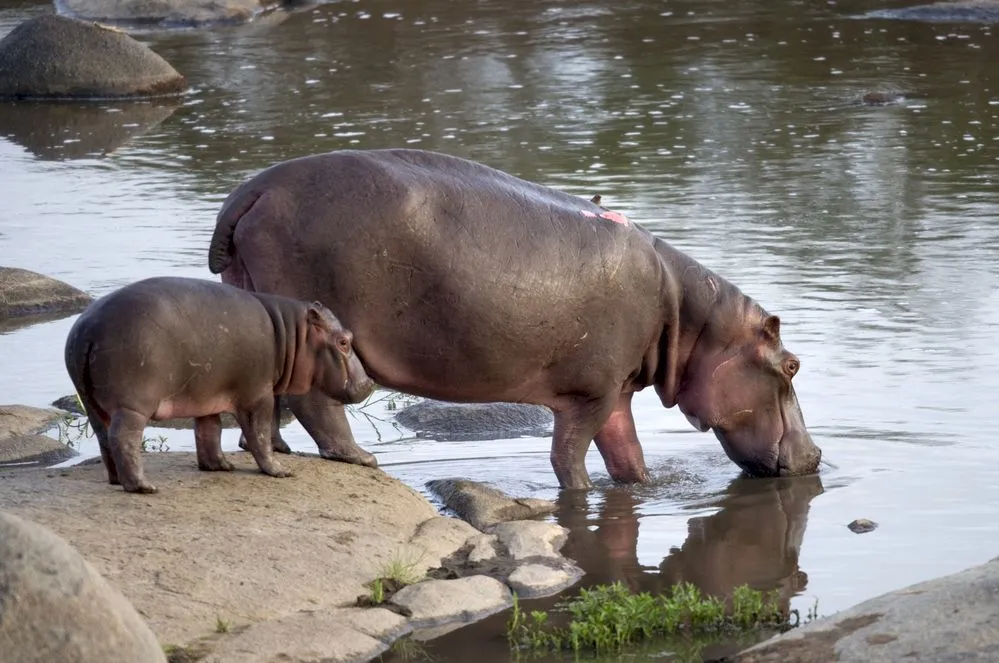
point(338, 372)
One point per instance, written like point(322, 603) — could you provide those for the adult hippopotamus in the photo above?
point(464, 283)
point(175, 347)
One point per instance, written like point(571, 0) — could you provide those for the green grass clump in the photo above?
point(609, 617)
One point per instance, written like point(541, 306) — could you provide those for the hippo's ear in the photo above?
point(316, 317)
point(771, 327)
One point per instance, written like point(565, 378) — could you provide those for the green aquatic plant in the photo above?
point(609, 617)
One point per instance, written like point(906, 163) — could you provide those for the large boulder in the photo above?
point(483, 506)
point(23, 292)
point(164, 13)
point(21, 442)
point(953, 618)
point(959, 11)
point(57, 57)
point(459, 422)
point(56, 607)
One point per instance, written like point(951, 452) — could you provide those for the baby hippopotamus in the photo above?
point(177, 347)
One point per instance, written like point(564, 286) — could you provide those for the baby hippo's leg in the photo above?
point(208, 441)
point(256, 422)
point(277, 442)
point(125, 440)
point(101, 431)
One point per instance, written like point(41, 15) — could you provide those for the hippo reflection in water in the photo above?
point(463, 283)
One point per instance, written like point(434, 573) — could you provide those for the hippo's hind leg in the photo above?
point(577, 420)
point(277, 442)
point(617, 441)
point(125, 440)
point(208, 441)
point(101, 431)
point(324, 419)
point(256, 423)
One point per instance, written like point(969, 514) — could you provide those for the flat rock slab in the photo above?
point(523, 539)
point(435, 602)
point(484, 506)
point(948, 619)
point(23, 292)
point(537, 580)
point(20, 441)
point(55, 57)
point(162, 13)
point(237, 546)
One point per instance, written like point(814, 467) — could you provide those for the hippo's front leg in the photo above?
point(256, 423)
point(577, 420)
point(277, 442)
point(324, 419)
point(617, 441)
point(208, 442)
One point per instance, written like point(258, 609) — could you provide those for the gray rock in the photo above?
point(442, 420)
point(23, 292)
point(53, 56)
point(345, 634)
point(523, 539)
point(20, 441)
point(435, 602)
point(483, 505)
point(56, 607)
point(537, 580)
point(960, 11)
point(441, 537)
point(483, 548)
point(949, 619)
point(61, 130)
point(862, 525)
point(162, 13)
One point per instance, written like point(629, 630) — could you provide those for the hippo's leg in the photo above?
point(101, 431)
point(125, 440)
point(577, 420)
point(617, 441)
point(208, 441)
point(324, 419)
point(256, 424)
point(277, 442)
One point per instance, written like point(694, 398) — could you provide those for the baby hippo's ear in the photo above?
point(318, 316)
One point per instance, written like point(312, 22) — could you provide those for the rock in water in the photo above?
point(862, 525)
point(56, 607)
point(164, 13)
point(57, 57)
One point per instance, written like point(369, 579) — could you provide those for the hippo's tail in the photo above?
point(221, 251)
point(78, 365)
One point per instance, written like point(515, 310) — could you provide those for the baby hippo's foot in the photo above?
point(141, 486)
point(220, 464)
point(277, 444)
point(355, 456)
point(274, 469)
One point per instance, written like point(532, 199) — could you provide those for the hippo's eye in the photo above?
point(791, 367)
point(343, 344)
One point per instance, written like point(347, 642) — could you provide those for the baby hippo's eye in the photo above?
point(791, 367)
point(343, 344)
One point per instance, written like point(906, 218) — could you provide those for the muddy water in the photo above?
point(734, 130)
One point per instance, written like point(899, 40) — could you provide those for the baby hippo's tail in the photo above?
point(77, 356)
point(222, 250)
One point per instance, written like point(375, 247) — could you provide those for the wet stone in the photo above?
point(537, 580)
point(862, 526)
point(482, 505)
point(528, 538)
point(435, 602)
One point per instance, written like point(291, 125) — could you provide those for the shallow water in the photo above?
point(735, 131)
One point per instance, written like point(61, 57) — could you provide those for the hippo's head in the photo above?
point(738, 384)
point(338, 372)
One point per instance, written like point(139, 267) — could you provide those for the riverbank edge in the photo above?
point(240, 566)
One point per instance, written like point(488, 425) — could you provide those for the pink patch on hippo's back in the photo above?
point(615, 217)
point(587, 214)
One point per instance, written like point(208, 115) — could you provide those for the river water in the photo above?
point(734, 130)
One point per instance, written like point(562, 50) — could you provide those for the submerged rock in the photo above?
point(524, 539)
point(456, 422)
point(435, 602)
point(163, 13)
point(24, 292)
point(959, 11)
point(21, 442)
point(483, 505)
point(56, 606)
point(953, 618)
point(53, 56)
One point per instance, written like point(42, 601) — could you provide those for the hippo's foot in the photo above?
point(277, 444)
point(141, 487)
point(356, 456)
point(216, 465)
point(277, 471)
